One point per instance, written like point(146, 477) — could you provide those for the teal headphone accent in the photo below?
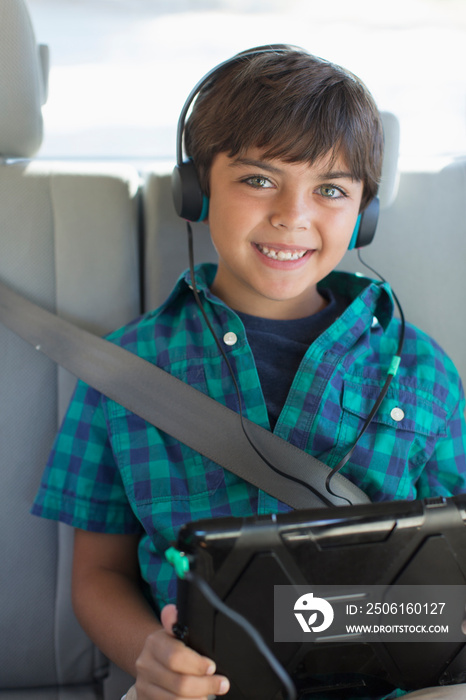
point(205, 208)
point(354, 237)
point(366, 224)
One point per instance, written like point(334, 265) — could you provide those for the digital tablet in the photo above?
point(354, 550)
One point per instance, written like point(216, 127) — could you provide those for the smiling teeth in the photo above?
point(281, 254)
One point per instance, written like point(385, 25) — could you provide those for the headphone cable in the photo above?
point(392, 370)
point(390, 374)
point(254, 635)
point(237, 390)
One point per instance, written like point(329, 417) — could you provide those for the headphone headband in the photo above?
point(250, 53)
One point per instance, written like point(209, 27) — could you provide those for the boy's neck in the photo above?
point(281, 310)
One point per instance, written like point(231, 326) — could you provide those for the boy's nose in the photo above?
point(292, 211)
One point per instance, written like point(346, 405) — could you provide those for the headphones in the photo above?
point(192, 204)
point(188, 198)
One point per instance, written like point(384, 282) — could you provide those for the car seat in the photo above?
point(69, 241)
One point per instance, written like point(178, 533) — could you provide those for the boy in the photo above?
point(288, 148)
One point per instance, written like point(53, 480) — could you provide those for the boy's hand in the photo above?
point(168, 669)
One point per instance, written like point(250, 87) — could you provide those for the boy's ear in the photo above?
point(189, 200)
point(366, 224)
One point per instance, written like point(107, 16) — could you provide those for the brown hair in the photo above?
point(291, 105)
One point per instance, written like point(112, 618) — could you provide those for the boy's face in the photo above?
point(279, 228)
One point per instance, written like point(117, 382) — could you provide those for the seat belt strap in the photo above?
point(178, 409)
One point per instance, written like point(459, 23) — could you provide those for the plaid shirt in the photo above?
point(109, 471)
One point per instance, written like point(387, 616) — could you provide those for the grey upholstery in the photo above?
point(23, 82)
point(58, 693)
point(54, 226)
point(420, 247)
point(69, 241)
point(165, 242)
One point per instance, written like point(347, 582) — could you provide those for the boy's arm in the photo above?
point(110, 606)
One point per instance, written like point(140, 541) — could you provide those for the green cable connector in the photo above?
point(395, 363)
point(178, 560)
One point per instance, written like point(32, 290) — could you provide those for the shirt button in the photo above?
point(230, 338)
point(397, 414)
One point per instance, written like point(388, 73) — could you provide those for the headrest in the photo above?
point(23, 82)
point(390, 177)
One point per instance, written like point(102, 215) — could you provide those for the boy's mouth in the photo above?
point(282, 254)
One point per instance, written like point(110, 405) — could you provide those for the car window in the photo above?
point(121, 69)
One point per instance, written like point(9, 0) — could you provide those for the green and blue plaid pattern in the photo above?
point(111, 472)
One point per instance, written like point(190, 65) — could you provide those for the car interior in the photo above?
point(99, 243)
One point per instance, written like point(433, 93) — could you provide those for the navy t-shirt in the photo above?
point(279, 346)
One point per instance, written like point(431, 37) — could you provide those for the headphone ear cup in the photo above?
point(189, 200)
point(366, 225)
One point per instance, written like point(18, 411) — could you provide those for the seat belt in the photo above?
point(179, 409)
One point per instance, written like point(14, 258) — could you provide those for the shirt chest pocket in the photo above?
point(404, 430)
point(154, 466)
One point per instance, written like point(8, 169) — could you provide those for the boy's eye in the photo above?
point(331, 191)
point(258, 181)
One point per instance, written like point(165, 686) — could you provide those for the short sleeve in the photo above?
point(81, 485)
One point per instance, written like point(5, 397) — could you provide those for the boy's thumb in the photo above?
point(168, 617)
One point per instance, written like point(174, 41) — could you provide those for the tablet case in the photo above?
point(401, 542)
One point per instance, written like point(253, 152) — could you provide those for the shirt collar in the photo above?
point(376, 297)
point(204, 275)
